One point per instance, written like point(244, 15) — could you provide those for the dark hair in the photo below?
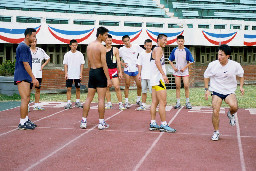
point(180, 37)
point(125, 36)
point(72, 41)
point(29, 31)
point(225, 48)
point(101, 30)
point(147, 41)
point(160, 36)
point(109, 36)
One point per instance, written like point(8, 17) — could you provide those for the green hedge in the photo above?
point(7, 68)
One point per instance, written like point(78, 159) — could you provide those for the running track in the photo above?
point(59, 144)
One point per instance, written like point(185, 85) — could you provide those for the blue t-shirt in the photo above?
point(23, 54)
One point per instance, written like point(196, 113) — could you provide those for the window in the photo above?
point(235, 27)
point(5, 19)
point(27, 19)
point(132, 24)
point(253, 27)
point(219, 26)
point(84, 22)
point(56, 21)
point(246, 27)
point(158, 25)
point(109, 23)
point(203, 26)
point(174, 26)
point(190, 25)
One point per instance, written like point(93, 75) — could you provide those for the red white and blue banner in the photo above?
point(249, 39)
point(13, 35)
point(219, 39)
point(63, 33)
point(172, 37)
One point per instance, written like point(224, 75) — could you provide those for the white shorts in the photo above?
point(145, 83)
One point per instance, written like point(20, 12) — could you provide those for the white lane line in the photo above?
point(154, 143)
point(67, 144)
point(34, 121)
point(9, 109)
point(240, 145)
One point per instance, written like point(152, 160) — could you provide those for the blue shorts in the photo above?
point(131, 73)
point(223, 97)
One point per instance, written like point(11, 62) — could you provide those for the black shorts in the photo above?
point(77, 82)
point(222, 96)
point(16, 82)
point(39, 80)
point(97, 78)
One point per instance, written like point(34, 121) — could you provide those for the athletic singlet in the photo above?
point(155, 75)
point(111, 59)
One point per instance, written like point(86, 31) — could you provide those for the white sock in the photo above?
point(187, 100)
point(26, 118)
point(84, 119)
point(109, 103)
point(178, 100)
point(22, 121)
point(120, 103)
point(36, 104)
point(217, 131)
point(101, 120)
point(164, 123)
point(138, 98)
point(69, 101)
point(153, 121)
point(126, 100)
point(143, 104)
point(77, 100)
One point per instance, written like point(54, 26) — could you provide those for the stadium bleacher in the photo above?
point(213, 9)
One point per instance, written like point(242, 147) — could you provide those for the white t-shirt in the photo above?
point(223, 78)
point(155, 75)
point(74, 62)
point(129, 55)
point(37, 58)
point(144, 61)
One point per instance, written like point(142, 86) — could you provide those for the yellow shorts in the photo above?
point(159, 87)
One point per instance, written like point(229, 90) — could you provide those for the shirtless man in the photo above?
point(99, 78)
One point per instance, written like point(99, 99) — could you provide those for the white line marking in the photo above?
point(34, 121)
point(9, 109)
point(65, 145)
point(154, 143)
point(240, 145)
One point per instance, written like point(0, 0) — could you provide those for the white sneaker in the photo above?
point(127, 105)
point(215, 136)
point(121, 107)
point(38, 108)
point(232, 119)
point(103, 125)
point(83, 124)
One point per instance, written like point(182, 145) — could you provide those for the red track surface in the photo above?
point(59, 144)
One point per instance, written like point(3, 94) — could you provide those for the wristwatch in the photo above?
point(205, 89)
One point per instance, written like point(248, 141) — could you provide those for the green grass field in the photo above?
point(196, 97)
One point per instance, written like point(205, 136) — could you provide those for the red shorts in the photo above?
point(113, 73)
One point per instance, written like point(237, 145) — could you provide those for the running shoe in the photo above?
point(141, 108)
point(166, 128)
point(83, 124)
point(154, 126)
point(26, 126)
point(38, 108)
point(68, 106)
point(32, 123)
point(78, 105)
point(138, 103)
point(215, 136)
point(127, 105)
point(107, 106)
point(232, 119)
point(121, 107)
point(103, 125)
point(188, 105)
point(177, 106)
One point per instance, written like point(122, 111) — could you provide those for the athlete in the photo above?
point(183, 58)
point(23, 77)
point(222, 74)
point(113, 61)
point(144, 71)
point(73, 67)
point(158, 79)
point(129, 53)
point(38, 55)
point(99, 78)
